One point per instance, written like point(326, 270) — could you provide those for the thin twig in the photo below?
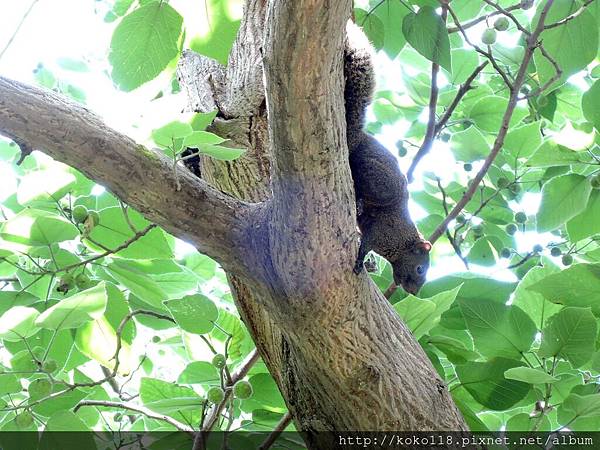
point(479, 50)
point(585, 4)
point(462, 91)
point(279, 428)
point(433, 99)
point(140, 409)
point(480, 19)
point(20, 24)
point(532, 43)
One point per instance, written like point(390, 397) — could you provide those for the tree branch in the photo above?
point(140, 409)
point(532, 44)
point(279, 428)
point(213, 222)
point(433, 99)
point(310, 169)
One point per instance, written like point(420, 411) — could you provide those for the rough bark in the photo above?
point(343, 359)
point(181, 203)
point(340, 355)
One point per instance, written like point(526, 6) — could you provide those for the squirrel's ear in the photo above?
point(424, 246)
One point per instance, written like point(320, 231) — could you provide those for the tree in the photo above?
point(280, 220)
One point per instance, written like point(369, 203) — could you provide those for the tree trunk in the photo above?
point(358, 368)
point(339, 353)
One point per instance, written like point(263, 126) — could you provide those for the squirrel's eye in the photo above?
point(420, 270)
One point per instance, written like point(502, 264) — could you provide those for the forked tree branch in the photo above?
point(215, 223)
point(532, 44)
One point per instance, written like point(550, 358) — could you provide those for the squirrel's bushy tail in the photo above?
point(360, 81)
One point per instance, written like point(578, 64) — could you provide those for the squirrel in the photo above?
point(380, 187)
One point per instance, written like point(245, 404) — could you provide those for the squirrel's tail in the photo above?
point(360, 81)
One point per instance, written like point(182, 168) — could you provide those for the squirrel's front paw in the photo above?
point(358, 267)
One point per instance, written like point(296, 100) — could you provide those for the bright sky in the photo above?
point(74, 29)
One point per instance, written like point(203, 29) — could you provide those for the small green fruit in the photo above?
point(215, 395)
point(219, 361)
point(50, 366)
point(515, 188)
point(39, 388)
point(555, 251)
point(537, 248)
point(82, 281)
point(505, 252)
point(79, 213)
point(460, 219)
point(477, 230)
point(511, 228)
point(520, 217)
point(401, 149)
point(242, 390)
point(468, 167)
point(542, 101)
point(66, 283)
point(94, 218)
point(567, 260)
point(501, 24)
point(24, 420)
point(118, 417)
point(156, 339)
point(502, 182)
point(595, 181)
point(489, 36)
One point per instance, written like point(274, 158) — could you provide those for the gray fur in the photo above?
point(381, 188)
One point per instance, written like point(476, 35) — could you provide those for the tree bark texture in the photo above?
point(281, 219)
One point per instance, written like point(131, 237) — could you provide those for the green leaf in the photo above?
point(372, 26)
point(18, 323)
point(114, 230)
point(199, 372)
point(179, 402)
point(523, 141)
point(35, 227)
point(551, 154)
point(143, 43)
point(193, 313)
point(486, 383)
point(266, 394)
point(571, 334)
point(469, 145)
point(488, 112)
point(222, 153)
point(98, 341)
point(533, 303)
point(137, 282)
point(583, 405)
point(572, 45)
point(76, 310)
point(482, 253)
point(464, 61)
point(579, 285)
point(587, 223)
point(167, 134)
point(391, 13)
point(590, 104)
point(199, 138)
point(497, 329)
point(563, 198)
point(427, 34)
point(529, 375)
point(218, 37)
point(421, 315)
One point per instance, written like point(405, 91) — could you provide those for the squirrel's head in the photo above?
point(410, 270)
